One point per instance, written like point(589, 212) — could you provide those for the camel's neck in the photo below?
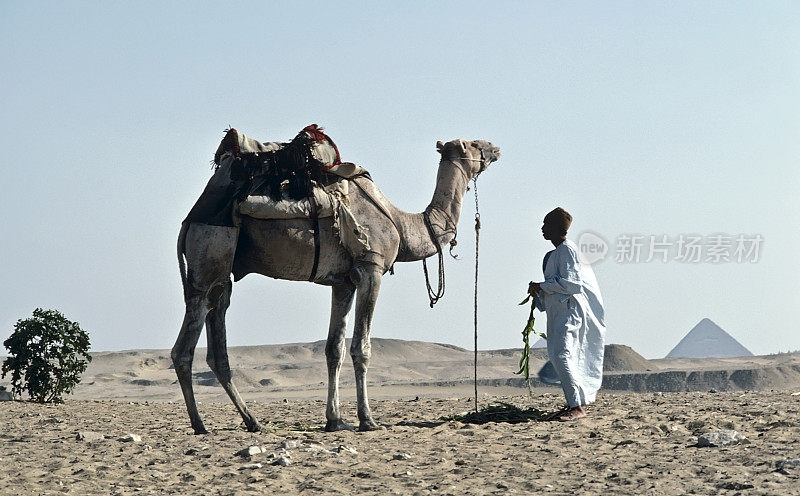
point(443, 212)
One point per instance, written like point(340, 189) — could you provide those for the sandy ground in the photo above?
point(631, 444)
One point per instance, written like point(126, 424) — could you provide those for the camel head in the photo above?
point(473, 156)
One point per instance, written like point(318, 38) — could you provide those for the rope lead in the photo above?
point(434, 296)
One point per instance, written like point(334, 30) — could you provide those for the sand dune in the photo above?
point(298, 370)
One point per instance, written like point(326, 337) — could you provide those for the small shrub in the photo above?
point(48, 355)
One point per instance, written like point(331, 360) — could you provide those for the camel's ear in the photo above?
point(439, 146)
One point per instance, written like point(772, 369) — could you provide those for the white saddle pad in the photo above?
point(264, 207)
point(332, 202)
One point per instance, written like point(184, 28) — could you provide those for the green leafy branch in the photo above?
point(524, 361)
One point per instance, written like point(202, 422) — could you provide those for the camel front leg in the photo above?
point(369, 284)
point(217, 356)
point(342, 297)
point(183, 355)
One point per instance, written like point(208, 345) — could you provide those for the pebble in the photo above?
point(89, 436)
point(282, 461)
point(401, 456)
point(346, 449)
point(720, 438)
point(734, 486)
point(251, 466)
point(786, 465)
point(290, 444)
point(251, 451)
point(318, 449)
point(130, 438)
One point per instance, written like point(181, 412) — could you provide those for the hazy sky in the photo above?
point(640, 118)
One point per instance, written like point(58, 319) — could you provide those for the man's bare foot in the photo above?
point(572, 414)
point(557, 413)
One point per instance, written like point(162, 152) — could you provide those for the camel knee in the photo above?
point(334, 351)
point(181, 360)
point(220, 367)
point(360, 354)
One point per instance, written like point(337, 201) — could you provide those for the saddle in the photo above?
point(284, 169)
point(273, 180)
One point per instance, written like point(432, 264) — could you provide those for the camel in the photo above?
point(284, 249)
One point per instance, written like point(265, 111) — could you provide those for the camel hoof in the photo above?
point(370, 425)
point(338, 425)
point(254, 427)
point(200, 430)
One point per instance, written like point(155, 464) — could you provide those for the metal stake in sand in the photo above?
point(477, 240)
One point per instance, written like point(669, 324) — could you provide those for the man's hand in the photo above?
point(533, 288)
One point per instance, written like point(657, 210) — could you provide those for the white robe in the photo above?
point(575, 323)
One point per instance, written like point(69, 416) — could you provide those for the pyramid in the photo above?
point(708, 340)
point(541, 343)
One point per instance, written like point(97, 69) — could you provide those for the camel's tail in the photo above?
point(181, 257)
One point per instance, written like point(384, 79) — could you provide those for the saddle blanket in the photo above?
point(332, 202)
point(264, 207)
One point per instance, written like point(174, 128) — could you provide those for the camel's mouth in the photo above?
point(489, 152)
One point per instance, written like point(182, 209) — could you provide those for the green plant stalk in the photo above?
point(524, 361)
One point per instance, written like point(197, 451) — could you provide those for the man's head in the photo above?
point(556, 223)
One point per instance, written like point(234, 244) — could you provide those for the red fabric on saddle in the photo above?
point(316, 133)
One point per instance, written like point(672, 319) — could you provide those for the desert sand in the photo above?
point(632, 443)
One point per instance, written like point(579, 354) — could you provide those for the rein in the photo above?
point(434, 296)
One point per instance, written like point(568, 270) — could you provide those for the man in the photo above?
point(575, 317)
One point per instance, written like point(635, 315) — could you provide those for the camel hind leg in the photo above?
point(217, 357)
point(209, 252)
point(183, 355)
